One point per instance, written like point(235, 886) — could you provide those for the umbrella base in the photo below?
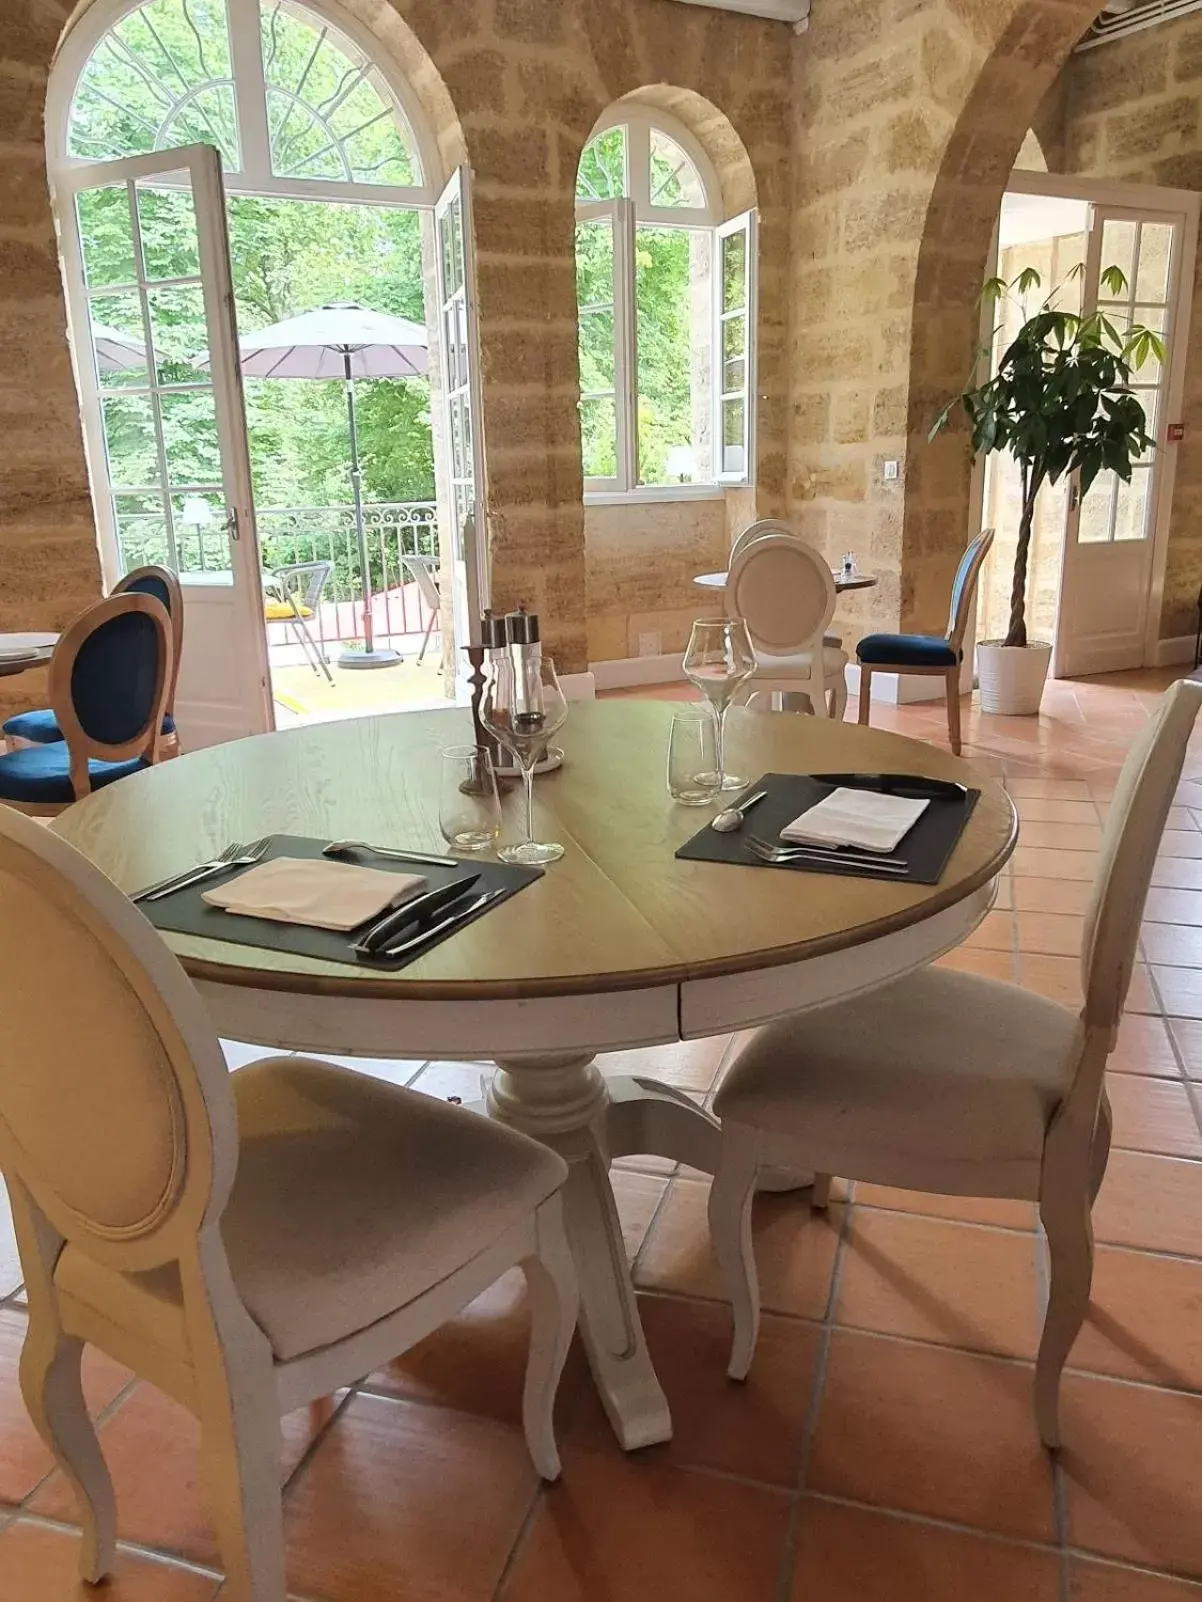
point(369, 659)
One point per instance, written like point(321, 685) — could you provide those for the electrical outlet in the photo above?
point(891, 470)
point(651, 643)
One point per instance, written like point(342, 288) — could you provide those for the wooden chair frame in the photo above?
point(225, 1371)
point(827, 695)
point(81, 747)
point(1077, 1139)
point(957, 625)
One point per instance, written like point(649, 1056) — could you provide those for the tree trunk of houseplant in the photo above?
point(1012, 672)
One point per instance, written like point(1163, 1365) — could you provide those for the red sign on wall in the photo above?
point(1175, 433)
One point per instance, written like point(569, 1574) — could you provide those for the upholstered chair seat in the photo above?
point(908, 650)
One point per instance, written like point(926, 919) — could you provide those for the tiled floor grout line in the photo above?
point(308, 1454)
point(788, 1560)
point(538, 1496)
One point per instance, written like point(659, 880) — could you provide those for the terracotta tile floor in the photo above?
point(883, 1449)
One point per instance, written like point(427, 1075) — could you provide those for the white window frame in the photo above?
point(744, 224)
point(627, 214)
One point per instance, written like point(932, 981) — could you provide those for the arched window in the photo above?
point(664, 292)
point(288, 99)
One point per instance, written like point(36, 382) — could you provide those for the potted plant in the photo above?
point(1059, 402)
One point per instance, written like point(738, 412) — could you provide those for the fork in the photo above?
point(781, 856)
point(234, 856)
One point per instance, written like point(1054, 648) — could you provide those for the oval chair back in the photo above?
point(964, 587)
point(109, 678)
point(116, 1114)
point(165, 586)
point(757, 531)
point(783, 590)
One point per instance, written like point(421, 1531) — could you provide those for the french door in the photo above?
point(1097, 562)
point(459, 343)
point(152, 309)
point(1110, 532)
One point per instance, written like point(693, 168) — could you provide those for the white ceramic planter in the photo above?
point(1011, 677)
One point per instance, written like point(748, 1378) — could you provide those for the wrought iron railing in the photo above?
point(287, 534)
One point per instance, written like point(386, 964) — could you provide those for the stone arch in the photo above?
point(1016, 66)
point(1030, 156)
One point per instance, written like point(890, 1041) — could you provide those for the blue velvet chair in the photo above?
point(109, 680)
point(40, 727)
point(929, 654)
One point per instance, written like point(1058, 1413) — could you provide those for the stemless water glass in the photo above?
point(523, 706)
point(469, 808)
point(718, 659)
point(692, 762)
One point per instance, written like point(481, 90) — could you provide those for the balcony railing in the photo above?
point(287, 534)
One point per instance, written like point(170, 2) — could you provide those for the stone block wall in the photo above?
point(1132, 110)
point(876, 147)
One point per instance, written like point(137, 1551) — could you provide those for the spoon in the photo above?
point(731, 818)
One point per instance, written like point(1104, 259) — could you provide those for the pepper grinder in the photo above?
point(493, 642)
point(524, 638)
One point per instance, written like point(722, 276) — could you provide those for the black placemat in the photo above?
point(186, 912)
point(925, 849)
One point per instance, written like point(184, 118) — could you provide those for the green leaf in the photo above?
point(1114, 281)
point(993, 289)
point(1027, 279)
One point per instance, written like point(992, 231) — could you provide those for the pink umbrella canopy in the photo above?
point(318, 343)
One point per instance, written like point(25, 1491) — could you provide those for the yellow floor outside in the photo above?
point(301, 695)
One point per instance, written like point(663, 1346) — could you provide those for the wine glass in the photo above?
point(523, 706)
point(718, 659)
point(469, 809)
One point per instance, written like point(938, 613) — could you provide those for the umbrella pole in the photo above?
point(369, 657)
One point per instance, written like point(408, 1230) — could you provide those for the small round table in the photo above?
point(35, 650)
point(619, 945)
point(843, 582)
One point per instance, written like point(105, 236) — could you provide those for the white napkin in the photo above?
point(863, 818)
point(319, 893)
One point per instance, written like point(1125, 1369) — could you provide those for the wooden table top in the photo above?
point(619, 911)
point(843, 581)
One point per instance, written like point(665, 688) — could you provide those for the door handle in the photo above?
point(1074, 495)
point(231, 523)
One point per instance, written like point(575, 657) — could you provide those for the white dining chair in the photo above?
point(965, 1086)
point(246, 1243)
point(757, 531)
point(784, 591)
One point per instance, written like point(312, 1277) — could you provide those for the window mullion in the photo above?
point(250, 92)
point(626, 366)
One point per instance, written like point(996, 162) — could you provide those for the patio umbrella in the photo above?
point(117, 352)
point(348, 342)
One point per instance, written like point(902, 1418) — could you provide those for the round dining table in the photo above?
point(20, 652)
point(843, 581)
point(619, 945)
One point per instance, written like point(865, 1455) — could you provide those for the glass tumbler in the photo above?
point(469, 808)
point(692, 758)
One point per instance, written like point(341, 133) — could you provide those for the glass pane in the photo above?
point(734, 376)
point(329, 112)
point(160, 78)
point(1097, 510)
point(734, 337)
point(177, 323)
point(1149, 399)
point(167, 220)
point(142, 531)
point(1152, 274)
point(118, 340)
point(675, 181)
point(734, 271)
point(201, 539)
point(190, 437)
point(734, 433)
point(602, 171)
point(458, 442)
point(130, 440)
point(599, 436)
point(1118, 247)
point(595, 263)
point(1131, 509)
point(106, 234)
point(674, 344)
point(597, 368)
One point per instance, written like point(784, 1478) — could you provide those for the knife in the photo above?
point(914, 785)
point(418, 942)
point(421, 907)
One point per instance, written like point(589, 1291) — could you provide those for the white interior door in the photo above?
point(150, 291)
point(1109, 606)
point(461, 400)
